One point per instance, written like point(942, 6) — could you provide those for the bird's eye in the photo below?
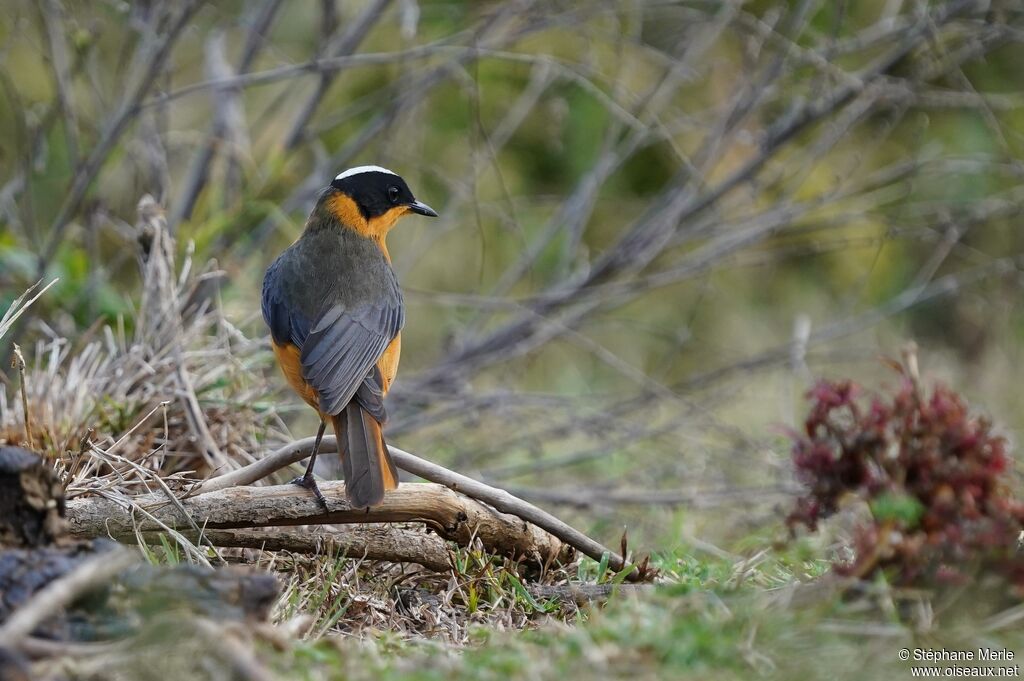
point(393, 194)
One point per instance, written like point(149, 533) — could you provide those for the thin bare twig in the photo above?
point(157, 56)
point(677, 207)
point(345, 45)
point(198, 172)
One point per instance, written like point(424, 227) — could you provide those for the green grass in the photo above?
point(671, 632)
point(709, 619)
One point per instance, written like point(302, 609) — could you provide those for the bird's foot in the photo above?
point(309, 483)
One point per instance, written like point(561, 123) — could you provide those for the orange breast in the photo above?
point(288, 357)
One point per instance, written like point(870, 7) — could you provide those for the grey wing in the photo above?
point(287, 324)
point(343, 347)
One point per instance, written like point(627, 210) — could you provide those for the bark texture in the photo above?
point(452, 515)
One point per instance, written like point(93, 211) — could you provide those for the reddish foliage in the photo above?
point(935, 478)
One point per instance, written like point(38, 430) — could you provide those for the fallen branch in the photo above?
point(451, 515)
point(506, 503)
point(374, 542)
point(498, 498)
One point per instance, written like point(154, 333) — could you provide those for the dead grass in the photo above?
point(112, 411)
point(330, 594)
point(174, 392)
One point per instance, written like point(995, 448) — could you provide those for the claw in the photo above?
point(309, 483)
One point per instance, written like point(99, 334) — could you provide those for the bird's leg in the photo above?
point(307, 480)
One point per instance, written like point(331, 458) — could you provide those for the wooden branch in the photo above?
point(451, 515)
point(257, 470)
point(499, 499)
point(506, 503)
point(374, 542)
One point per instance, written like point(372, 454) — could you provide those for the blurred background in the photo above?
point(660, 221)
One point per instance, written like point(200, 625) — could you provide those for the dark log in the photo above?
point(31, 500)
point(57, 587)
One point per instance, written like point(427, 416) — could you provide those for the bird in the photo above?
point(335, 311)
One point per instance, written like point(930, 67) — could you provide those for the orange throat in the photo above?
point(345, 210)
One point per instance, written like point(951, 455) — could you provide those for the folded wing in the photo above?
point(342, 348)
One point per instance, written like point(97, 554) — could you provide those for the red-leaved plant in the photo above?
point(935, 478)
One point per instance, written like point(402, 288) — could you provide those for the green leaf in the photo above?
point(902, 508)
point(602, 568)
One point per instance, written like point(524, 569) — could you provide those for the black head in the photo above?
point(378, 191)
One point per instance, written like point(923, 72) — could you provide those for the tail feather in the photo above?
point(365, 461)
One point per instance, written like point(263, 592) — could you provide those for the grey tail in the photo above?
point(365, 461)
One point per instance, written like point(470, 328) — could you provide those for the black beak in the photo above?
point(422, 209)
